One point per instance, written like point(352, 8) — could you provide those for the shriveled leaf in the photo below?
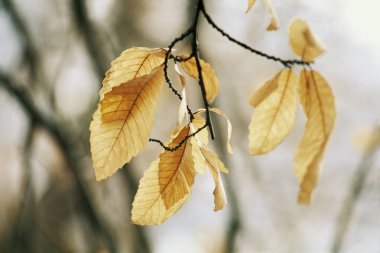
point(229, 126)
point(263, 91)
point(166, 185)
point(274, 117)
point(251, 3)
point(202, 136)
point(318, 103)
point(303, 41)
point(122, 123)
point(182, 111)
point(213, 160)
point(215, 166)
point(197, 141)
point(273, 25)
point(210, 80)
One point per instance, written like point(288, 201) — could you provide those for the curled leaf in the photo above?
point(182, 111)
point(216, 166)
point(210, 80)
point(229, 126)
point(303, 41)
point(318, 104)
point(251, 3)
point(122, 123)
point(274, 117)
point(273, 25)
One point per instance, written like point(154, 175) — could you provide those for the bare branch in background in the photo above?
point(100, 63)
point(23, 239)
point(69, 151)
point(356, 188)
point(95, 50)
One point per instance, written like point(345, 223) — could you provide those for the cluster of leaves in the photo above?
point(275, 104)
point(122, 123)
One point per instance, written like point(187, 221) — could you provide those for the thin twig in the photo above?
point(286, 63)
point(181, 142)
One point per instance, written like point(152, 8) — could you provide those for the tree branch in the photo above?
point(52, 127)
point(348, 207)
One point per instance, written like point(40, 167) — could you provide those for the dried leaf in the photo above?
point(303, 41)
point(229, 126)
point(251, 3)
point(199, 140)
point(132, 63)
point(121, 125)
point(318, 103)
point(274, 117)
point(166, 185)
point(263, 91)
point(215, 166)
point(183, 115)
point(210, 81)
point(273, 25)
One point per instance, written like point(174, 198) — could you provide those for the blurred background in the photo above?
point(53, 56)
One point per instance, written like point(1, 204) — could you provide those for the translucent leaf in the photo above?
point(263, 91)
point(303, 41)
point(210, 81)
point(215, 166)
point(183, 115)
point(273, 25)
point(229, 126)
point(122, 123)
point(166, 185)
point(274, 117)
point(318, 103)
point(132, 63)
point(199, 140)
point(251, 3)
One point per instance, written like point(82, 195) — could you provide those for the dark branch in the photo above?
point(286, 63)
point(180, 143)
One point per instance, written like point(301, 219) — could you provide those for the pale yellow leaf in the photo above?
point(183, 116)
point(166, 185)
point(263, 91)
point(213, 160)
point(215, 166)
point(229, 126)
point(318, 103)
point(303, 41)
point(132, 63)
point(274, 117)
point(121, 125)
point(273, 25)
point(202, 136)
point(251, 3)
point(210, 80)
point(197, 141)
